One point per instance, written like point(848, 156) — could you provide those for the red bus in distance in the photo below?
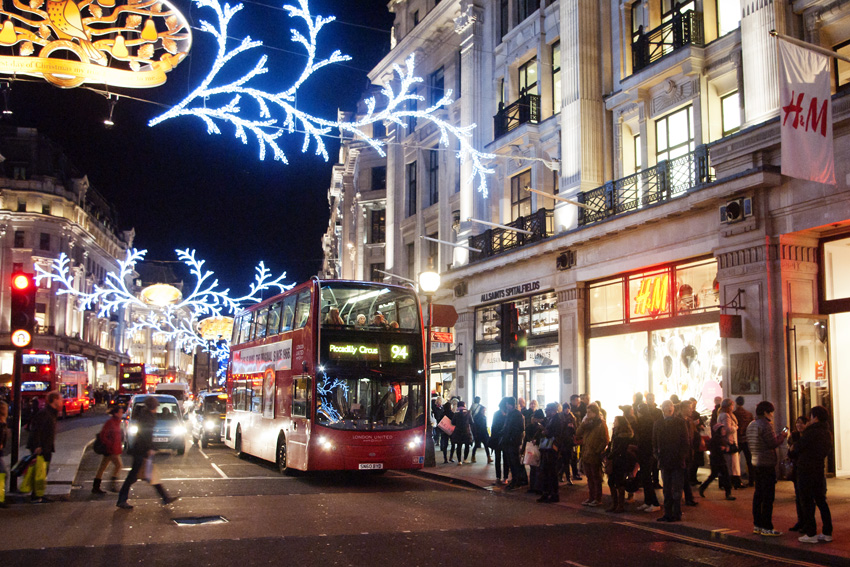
point(44, 371)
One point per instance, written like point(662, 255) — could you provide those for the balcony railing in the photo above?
point(668, 179)
point(525, 109)
point(683, 29)
point(498, 240)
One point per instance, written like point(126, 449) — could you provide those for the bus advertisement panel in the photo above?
point(44, 371)
point(330, 376)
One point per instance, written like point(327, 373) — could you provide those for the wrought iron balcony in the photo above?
point(683, 29)
point(498, 240)
point(525, 109)
point(668, 179)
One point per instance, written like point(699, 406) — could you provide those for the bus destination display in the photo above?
point(369, 352)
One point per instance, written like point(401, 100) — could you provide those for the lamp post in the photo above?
point(429, 282)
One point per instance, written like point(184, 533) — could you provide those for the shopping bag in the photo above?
point(446, 425)
point(20, 468)
point(151, 472)
point(35, 479)
point(532, 455)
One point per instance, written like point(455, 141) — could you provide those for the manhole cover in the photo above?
point(198, 520)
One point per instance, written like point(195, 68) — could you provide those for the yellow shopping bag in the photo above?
point(35, 480)
point(2, 487)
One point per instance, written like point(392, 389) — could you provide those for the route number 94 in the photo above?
point(399, 352)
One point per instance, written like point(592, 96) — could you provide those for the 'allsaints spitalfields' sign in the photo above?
point(124, 43)
point(511, 291)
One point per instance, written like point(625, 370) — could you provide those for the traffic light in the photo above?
point(520, 344)
point(508, 327)
point(22, 319)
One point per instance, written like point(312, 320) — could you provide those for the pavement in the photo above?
point(714, 517)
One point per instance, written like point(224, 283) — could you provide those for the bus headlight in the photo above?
point(414, 443)
point(210, 425)
point(326, 444)
point(134, 429)
point(179, 430)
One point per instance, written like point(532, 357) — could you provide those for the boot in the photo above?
point(95, 489)
point(621, 501)
point(489, 459)
point(615, 496)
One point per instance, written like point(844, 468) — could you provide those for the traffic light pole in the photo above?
point(516, 379)
point(16, 417)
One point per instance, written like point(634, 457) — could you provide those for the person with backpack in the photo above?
point(111, 441)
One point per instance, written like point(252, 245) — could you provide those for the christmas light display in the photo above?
point(326, 390)
point(212, 102)
point(177, 321)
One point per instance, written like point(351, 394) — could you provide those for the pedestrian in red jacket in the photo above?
point(113, 438)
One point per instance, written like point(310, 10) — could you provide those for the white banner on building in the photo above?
point(256, 359)
point(805, 114)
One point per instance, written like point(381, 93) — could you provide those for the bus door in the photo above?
point(299, 430)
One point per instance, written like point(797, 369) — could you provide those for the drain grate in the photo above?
point(199, 520)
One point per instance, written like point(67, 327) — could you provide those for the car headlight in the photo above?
point(179, 430)
point(210, 425)
point(134, 429)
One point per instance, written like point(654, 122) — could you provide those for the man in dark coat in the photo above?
point(510, 442)
point(42, 439)
point(811, 450)
point(142, 449)
point(671, 446)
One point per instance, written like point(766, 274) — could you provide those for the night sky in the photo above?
point(182, 188)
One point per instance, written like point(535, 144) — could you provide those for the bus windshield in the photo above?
point(348, 305)
point(369, 403)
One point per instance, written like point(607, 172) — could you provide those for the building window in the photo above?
point(433, 176)
point(45, 208)
point(378, 226)
point(411, 189)
point(842, 68)
point(556, 77)
point(379, 130)
point(375, 272)
point(731, 112)
point(728, 16)
point(433, 252)
point(674, 134)
point(638, 15)
point(411, 107)
point(525, 8)
point(668, 7)
point(504, 17)
point(556, 182)
point(44, 241)
point(638, 149)
point(528, 78)
point(458, 74)
point(379, 178)
point(411, 262)
point(22, 206)
point(520, 198)
point(19, 239)
point(415, 18)
point(436, 86)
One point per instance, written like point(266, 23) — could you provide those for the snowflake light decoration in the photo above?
point(177, 321)
point(213, 102)
point(326, 390)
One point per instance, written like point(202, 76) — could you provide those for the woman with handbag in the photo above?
point(726, 417)
point(593, 437)
point(112, 439)
point(462, 435)
point(718, 448)
point(553, 442)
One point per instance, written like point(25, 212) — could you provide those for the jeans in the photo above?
point(497, 458)
point(518, 475)
point(593, 473)
point(649, 496)
point(104, 463)
point(763, 497)
point(673, 482)
point(812, 489)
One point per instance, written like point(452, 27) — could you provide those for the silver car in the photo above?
point(170, 429)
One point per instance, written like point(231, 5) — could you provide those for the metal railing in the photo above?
point(525, 109)
point(668, 179)
point(498, 240)
point(683, 29)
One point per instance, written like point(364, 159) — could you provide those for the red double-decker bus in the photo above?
point(43, 371)
point(134, 379)
point(330, 376)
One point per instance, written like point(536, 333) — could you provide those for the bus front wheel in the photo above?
point(282, 456)
point(237, 445)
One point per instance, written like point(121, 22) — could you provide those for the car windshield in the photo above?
point(214, 404)
point(369, 307)
point(167, 411)
point(368, 403)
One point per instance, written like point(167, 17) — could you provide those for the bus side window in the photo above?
point(302, 313)
point(260, 327)
point(274, 319)
point(300, 396)
point(288, 313)
point(234, 340)
point(245, 328)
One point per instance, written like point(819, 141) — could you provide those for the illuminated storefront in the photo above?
point(656, 331)
point(537, 377)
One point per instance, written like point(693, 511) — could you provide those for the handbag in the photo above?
point(547, 443)
point(151, 473)
point(446, 425)
point(20, 468)
point(532, 455)
point(733, 448)
point(786, 469)
point(99, 446)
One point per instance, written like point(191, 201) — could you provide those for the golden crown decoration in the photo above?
point(129, 43)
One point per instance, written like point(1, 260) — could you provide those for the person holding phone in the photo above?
point(763, 442)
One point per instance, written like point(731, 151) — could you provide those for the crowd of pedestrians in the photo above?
point(648, 448)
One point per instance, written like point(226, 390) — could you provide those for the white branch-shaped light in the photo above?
point(213, 101)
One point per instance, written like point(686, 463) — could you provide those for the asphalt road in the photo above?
point(336, 520)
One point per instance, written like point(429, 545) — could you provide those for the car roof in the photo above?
point(140, 398)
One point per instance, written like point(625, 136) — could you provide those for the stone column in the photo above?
point(573, 341)
point(761, 82)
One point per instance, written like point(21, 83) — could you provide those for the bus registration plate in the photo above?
point(370, 466)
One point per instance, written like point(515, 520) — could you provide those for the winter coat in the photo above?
point(812, 449)
point(670, 443)
point(43, 432)
point(479, 424)
point(645, 427)
point(594, 438)
point(143, 443)
point(496, 430)
point(745, 418)
point(730, 423)
point(112, 436)
point(763, 442)
point(512, 433)
point(463, 426)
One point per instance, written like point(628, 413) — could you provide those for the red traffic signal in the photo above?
point(22, 317)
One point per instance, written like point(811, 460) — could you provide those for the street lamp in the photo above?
point(429, 282)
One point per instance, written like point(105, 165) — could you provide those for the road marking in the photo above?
point(201, 451)
point(722, 546)
point(218, 470)
point(567, 562)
